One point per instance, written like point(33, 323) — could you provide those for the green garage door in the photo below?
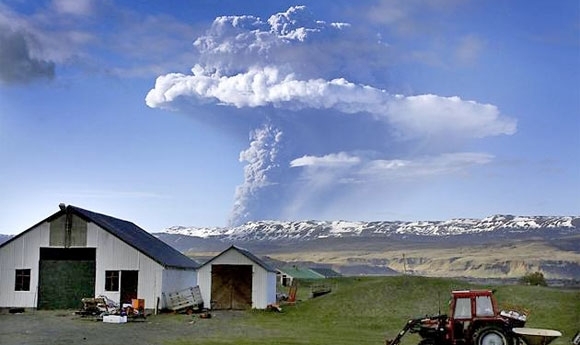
point(65, 277)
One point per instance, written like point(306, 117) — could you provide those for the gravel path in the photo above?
point(64, 327)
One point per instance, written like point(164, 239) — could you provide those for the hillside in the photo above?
point(366, 310)
point(493, 247)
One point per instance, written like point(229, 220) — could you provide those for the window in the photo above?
point(463, 308)
point(22, 282)
point(111, 280)
point(483, 306)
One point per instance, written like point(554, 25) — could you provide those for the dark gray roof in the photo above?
point(138, 238)
point(131, 234)
point(247, 254)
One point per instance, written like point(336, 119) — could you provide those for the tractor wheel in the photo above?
point(490, 336)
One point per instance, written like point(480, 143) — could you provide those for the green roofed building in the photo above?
point(286, 275)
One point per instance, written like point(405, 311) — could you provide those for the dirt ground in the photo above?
point(64, 327)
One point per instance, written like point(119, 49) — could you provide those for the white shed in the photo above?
point(237, 279)
point(77, 253)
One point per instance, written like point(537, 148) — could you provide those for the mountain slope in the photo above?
point(499, 225)
point(494, 247)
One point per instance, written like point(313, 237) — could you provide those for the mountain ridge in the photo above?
point(498, 247)
point(312, 229)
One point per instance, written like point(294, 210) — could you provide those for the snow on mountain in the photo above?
point(304, 230)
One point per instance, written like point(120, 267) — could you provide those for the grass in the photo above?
point(367, 310)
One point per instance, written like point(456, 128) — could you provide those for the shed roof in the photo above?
point(326, 272)
point(247, 254)
point(300, 273)
point(129, 233)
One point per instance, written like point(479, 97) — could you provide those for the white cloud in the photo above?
point(412, 116)
point(425, 115)
point(425, 166)
point(330, 160)
point(346, 168)
point(233, 44)
point(74, 7)
point(469, 49)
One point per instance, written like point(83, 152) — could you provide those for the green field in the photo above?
point(367, 310)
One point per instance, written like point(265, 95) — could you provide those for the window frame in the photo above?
point(22, 279)
point(463, 308)
point(112, 279)
point(483, 306)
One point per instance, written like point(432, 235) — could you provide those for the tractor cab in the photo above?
point(469, 310)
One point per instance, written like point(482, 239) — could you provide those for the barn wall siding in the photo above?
point(178, 279)
point(22, 253)
point(204, 282)
point(115, 255)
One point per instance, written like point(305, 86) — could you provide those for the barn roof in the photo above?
point(129, 233)
point(247, 254)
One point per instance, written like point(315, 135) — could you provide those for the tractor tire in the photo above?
point(490, 336)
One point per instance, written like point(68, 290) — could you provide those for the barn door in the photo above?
point(129, 286)
point(231, 286)
point(65, 277)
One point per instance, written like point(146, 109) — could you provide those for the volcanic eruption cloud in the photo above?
point(322, 132)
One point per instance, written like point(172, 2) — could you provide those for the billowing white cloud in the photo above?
point(315, 82)
point(234, 44)
point(258, 87)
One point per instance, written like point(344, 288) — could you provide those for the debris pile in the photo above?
point(110, 311)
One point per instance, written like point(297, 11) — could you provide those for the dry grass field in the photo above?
point(509, 259)
point(490, 261)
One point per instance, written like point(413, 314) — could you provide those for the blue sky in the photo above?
point(210, 113)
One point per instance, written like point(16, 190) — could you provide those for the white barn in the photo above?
point(237, 279)
point(77, 253)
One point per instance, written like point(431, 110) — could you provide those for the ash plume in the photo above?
point(336, 132)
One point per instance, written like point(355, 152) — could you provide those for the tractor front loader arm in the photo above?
point(412, 323)
point(424, 326)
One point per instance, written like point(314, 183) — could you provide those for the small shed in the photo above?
point(286, 275)
point(237, 279)
point(77, 253)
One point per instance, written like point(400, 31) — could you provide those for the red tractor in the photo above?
point(474, 319)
